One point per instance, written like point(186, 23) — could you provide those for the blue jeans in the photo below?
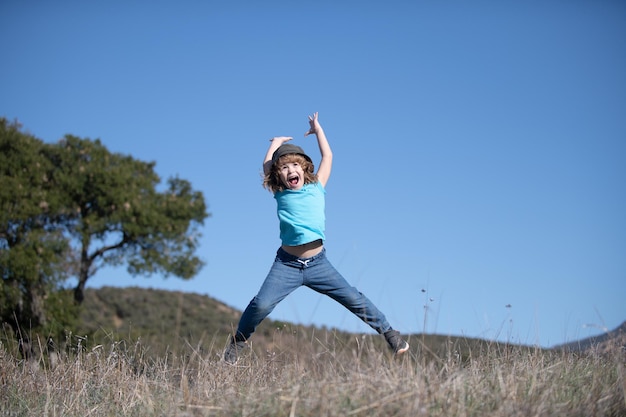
point(289, 273)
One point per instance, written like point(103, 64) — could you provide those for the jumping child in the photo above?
point(301, 259)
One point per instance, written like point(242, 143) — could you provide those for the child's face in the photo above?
point(291, 174)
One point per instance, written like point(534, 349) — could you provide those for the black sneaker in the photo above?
point(396, 343)
point(231, 354)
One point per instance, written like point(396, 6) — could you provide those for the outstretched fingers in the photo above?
point(313, 122)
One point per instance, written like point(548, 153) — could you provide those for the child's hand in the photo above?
point(281, 139)
point(315, 125)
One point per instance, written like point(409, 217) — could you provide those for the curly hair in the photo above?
point(272, 180)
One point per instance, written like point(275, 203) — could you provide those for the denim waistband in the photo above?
point(284, 256)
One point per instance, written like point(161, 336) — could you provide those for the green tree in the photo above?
point(69, 208)
point(33, 250)
point(116, 215)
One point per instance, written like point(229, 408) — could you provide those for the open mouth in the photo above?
point(293, 181)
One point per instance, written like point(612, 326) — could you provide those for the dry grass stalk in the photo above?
point(319, 378)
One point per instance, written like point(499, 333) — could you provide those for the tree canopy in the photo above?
point(69, 208)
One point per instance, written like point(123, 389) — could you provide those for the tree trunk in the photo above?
point(83, 272)
point(79, 291)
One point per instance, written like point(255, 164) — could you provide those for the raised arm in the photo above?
point(326, 164)
point(275, 144)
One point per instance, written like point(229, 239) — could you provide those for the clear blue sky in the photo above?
point(480, 147)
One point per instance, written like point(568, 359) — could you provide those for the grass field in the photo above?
point(315, 375)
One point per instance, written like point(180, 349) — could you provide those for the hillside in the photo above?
point(162, 320)
point(165, 321)
point(601, 343)
point(174, 322)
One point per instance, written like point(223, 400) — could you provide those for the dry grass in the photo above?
point(318, 378)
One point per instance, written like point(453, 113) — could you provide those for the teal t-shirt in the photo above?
point(301, 214)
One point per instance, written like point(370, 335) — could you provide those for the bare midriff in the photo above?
point(305, 251)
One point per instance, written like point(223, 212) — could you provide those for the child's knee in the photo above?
point(263, 306)
point(353, 299)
